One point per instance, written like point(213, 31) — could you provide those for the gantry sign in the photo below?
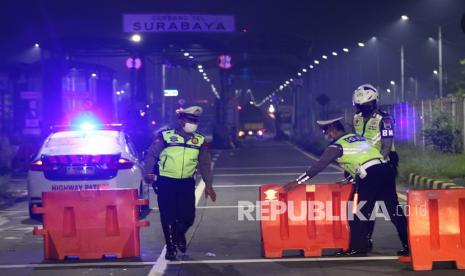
point(168, 23)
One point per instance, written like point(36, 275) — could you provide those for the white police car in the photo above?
point(88, 158)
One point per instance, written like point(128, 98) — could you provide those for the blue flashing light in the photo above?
point(87, 126)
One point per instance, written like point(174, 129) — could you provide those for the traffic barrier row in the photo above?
point(421, 182)
point(308, 218)
point(91, 224)
point(436, 226)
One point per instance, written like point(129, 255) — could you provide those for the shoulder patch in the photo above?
point(387, 122)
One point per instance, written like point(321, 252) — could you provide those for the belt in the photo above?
point(371, 163)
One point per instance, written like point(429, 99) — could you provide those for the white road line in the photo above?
point(220, 207)
point(310, 155)
point(58, 265)
point(237, 186)
point(269, 174)
point(261, 168)
point(231, 261)
point(286, 260)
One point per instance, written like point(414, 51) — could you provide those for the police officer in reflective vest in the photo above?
point(365, 164)
point(175, 154)
point(378, 128)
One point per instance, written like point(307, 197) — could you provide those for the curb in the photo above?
point(421, 182)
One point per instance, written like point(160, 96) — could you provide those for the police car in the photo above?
point(87, 158)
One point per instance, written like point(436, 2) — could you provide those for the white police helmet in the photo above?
point(365, 93)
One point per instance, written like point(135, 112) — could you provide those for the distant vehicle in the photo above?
point(253, 123)
point(87, 158)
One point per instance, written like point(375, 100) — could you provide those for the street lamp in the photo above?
point(440, 64)
point(136, 38)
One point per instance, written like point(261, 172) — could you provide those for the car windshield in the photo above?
point(84, 142)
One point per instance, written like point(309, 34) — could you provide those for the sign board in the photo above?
point(171, 92)
point(178, 23)
point(133, 63)
point(30, 95)
point(224, 61)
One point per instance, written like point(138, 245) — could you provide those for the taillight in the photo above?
point(37, 165)
point(124, 164)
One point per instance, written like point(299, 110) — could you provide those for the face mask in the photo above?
point(190, 128)
point(366, 109)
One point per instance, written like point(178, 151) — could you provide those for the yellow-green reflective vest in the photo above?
point(356, 151)
point(179, 158)
point(370, 129)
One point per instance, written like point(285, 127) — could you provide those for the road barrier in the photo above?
point(91, 224)
point(308, 218)
point(438, 233)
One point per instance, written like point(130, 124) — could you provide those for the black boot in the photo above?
point(405, 251)
point(180, 238)
point(370, 245)
point(351, 253)
point(170, 245)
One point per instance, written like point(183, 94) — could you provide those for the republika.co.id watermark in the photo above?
point(270, 210)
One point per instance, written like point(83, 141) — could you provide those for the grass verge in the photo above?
point(430, 163)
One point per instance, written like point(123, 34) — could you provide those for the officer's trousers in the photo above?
point(376, 187)
point(176, 202)
point(393, 163)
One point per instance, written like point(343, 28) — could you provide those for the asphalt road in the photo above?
point(219, 244)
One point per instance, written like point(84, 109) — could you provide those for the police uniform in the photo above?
point(175, 156)
point(365, 164)
point(378, 129)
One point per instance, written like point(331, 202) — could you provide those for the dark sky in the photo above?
point(325, 25)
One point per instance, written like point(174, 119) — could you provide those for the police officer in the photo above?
point(175, 154)
point(365, 164)
point(378, 128)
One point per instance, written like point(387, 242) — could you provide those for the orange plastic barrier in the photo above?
point(436, 224)
point(91, 224)
point(301, 227)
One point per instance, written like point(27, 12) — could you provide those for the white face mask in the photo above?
point(189, 127)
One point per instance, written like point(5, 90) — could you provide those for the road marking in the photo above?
point(237, 186)
point(261, 168)
point(402, 196)
point(232, 261)
point(221, 207)
point(270, 174)
point(58, 265)
point(285, 260)
point(311, 156)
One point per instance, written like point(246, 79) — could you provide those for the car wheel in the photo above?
point(33, 216)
